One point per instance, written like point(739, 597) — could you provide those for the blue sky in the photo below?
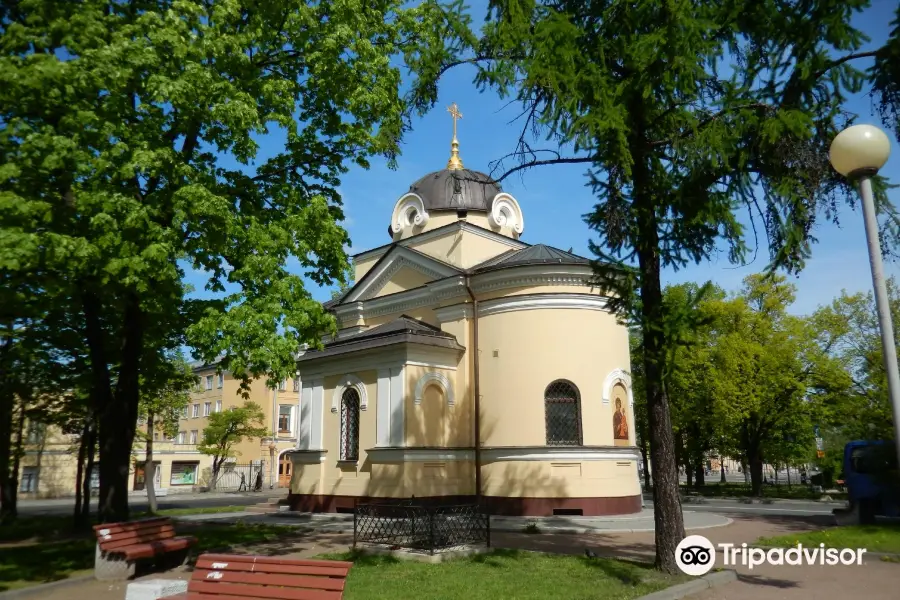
point(554, 198)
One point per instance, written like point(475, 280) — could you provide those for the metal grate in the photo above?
point(561, 410)
point(350, 425)
point(417, 526)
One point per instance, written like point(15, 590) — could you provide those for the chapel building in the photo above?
point(467, 361)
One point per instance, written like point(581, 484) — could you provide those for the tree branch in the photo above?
point(538, 163)
point(839, 61)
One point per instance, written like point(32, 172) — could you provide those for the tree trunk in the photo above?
point(789, 476)
point(700, 478)
point(101, 398)
point(689, 473)
point(90, 451)
point(214, 475)
point(722, 469)
point(77, 516)
point(668, 518)
point(17, 461)
point(7, 402)
point(149, 467)
point(756, 472)
point(116, 416)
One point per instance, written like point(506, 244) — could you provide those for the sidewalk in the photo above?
point(873, 580)
point(136, 498)
point(331, 522)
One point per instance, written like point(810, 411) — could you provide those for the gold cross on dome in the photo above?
point(453, 109)
point(455, 162)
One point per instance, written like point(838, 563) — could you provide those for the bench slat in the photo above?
point(282, 569)
point(263, 579)
point(153, 548)
point(273, 560)
point(137, 537)
point(129, 525)
point(241, 591)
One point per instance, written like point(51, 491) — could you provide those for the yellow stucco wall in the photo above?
point(561, 479)
point(447, 247)
point(422, 478)
point(528, 358)
point(361, 266)
point(405, 279)
point(461, 248)
point(341, 478)
point(433, 422)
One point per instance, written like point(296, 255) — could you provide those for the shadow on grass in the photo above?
point(41, 561)
point(22, 566)
point(627, 572)
point(362, 558)
point(38, 529)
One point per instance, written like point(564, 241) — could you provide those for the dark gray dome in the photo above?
point(459, 189)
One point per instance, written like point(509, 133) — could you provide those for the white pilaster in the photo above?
point(303, 436)
point(318, 413)
point(398, 420)
point(383, 409)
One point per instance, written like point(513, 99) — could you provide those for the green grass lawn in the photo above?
point(30, 563)
point(874, 538)
point(501, 574)
point(205, 510)
point(53, 527)
point(743, 490)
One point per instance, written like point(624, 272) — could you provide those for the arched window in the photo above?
point(350, 424)
point(562, 414)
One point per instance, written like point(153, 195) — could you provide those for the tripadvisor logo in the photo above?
point(696, 555)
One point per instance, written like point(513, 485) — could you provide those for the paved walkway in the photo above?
point(873, 580)
point(641, 522)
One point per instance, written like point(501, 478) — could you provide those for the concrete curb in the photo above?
point(40, 590)
point(695, 586)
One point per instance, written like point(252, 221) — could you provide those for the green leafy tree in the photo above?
point(864, 411)
point(228, 428)
point(687, 112)
point(772, 374)
point(129, 153)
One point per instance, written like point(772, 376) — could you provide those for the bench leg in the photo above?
point(107, 568)
point(173, 560)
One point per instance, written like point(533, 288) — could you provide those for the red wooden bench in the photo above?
point(120, 546)
point(236, 577)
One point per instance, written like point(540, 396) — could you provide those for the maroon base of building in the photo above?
point(530, 507)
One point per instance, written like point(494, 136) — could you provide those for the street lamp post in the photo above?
point(858, 152)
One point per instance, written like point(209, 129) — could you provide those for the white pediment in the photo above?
point(395, 260)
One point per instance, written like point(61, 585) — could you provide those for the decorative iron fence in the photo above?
point(423, 526)
point(249, 477)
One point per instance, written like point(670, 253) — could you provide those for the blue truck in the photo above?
point(872, 479)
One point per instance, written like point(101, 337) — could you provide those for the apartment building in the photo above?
point(49, 466)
